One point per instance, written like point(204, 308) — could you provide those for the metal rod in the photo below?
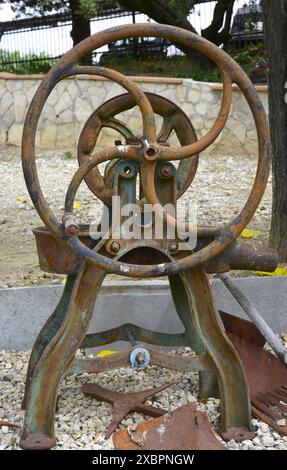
point(255, 316)
point(131, 338)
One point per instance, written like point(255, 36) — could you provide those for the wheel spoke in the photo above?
point(166, 130)
point(197, 147)
point(120, 127)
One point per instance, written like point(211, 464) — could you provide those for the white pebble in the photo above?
point(256, 441)
point(267, 441)
point(263, 427)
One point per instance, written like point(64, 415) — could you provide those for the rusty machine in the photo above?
point(66, 247)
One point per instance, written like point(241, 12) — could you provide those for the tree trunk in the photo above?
point(81, 28)
point(275, 27)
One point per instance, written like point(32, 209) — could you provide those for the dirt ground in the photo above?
point(221, 186)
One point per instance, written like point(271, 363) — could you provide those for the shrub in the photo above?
point(14, 62)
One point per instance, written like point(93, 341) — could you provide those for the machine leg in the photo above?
point(208, 386)
point(48, 331)
point(38, 432)
point(235, 401)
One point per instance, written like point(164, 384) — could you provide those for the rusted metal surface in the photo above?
point(231, 379)
point(66, 247)
point(253, 314)
point(125, 403)
point(267, 382)
point(8, 424)
point(47, 333)
point(123, 358)
point(67, 66)
point(242, 328)
point(56, 257)
point(184, 429)
point(38, 431)
point(266, 375)
point(174, 119)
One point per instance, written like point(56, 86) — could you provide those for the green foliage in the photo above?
point(37, 7)
point(185, 67)
point(14, 62)
point(157, 65)
point(249, 56)
point(182, 6)
point(254, 16)
point(90, 8)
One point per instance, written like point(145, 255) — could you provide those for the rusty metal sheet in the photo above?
point(184, 429)
point(266, 375)
point(267, 382)
point(124, 403)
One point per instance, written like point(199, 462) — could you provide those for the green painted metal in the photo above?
point(121, 333)
point(235, 400)
point(207, 380)
point(48, 331)
point(38, 431)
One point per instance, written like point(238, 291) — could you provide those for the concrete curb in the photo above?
point(23, 311)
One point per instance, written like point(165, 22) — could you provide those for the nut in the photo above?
point(165, 171)
point(115, 246)
point(173, 247)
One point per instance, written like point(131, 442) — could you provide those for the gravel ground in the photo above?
point(220, 188)
point(81, 420)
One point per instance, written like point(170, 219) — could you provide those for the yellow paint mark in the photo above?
point(248, 233)
point(106, 352)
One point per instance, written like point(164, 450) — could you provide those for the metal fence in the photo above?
point(34, 44)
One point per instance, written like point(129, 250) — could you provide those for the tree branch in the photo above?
point(223, 9)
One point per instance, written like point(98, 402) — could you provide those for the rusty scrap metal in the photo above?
point(266, 375)
point(185, 429)
point(8, 424)
point(125, 403)
point(267, 382)
point(255, 316)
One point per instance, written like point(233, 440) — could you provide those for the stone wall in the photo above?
point(73, 100)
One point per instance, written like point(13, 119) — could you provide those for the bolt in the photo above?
point(165, 171)
point(172, 246)
point(72, 230)
point(115, 246)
